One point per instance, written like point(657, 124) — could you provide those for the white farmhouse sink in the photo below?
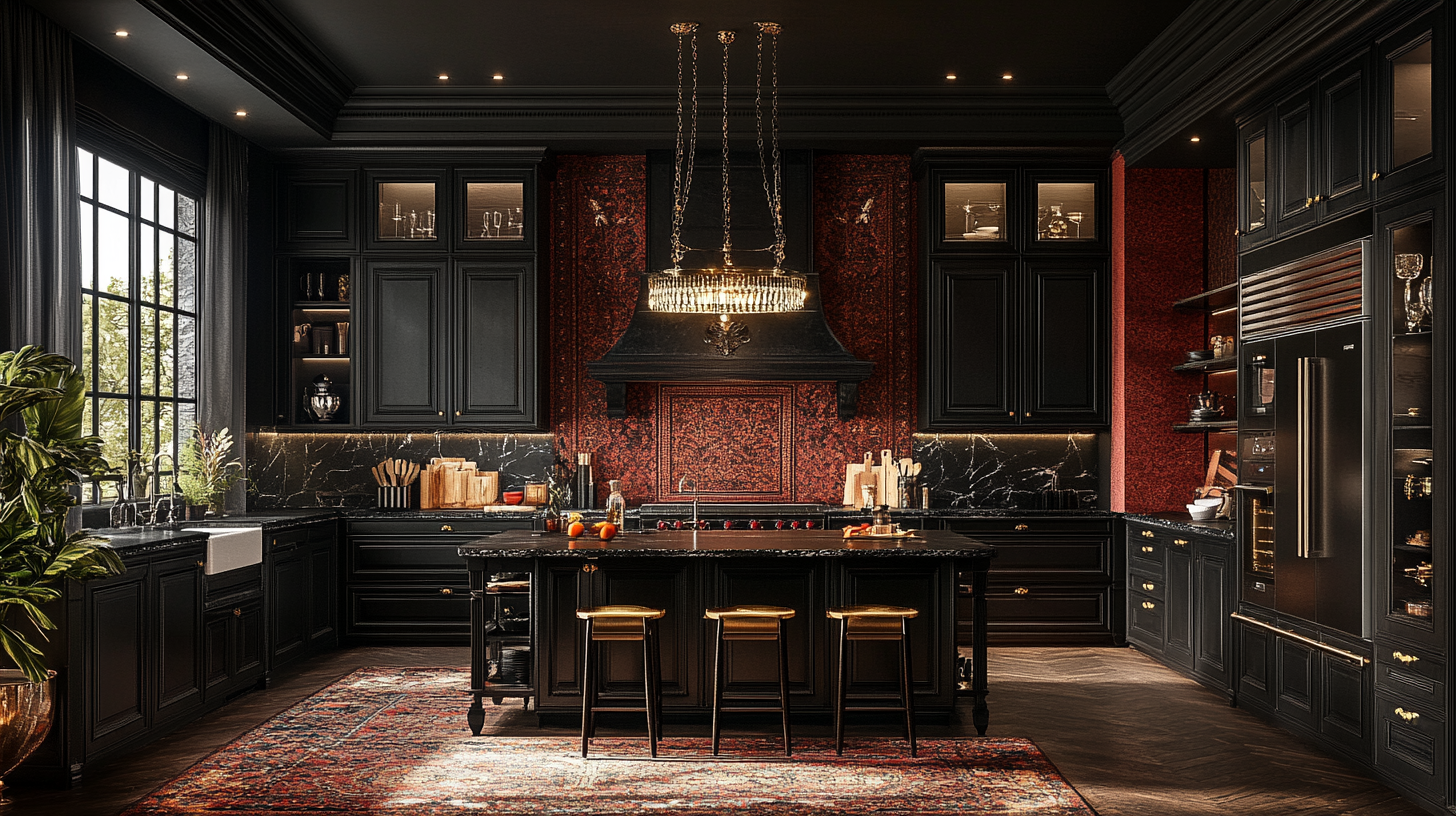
point(230, 548)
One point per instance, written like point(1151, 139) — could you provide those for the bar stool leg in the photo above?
point(839, 694)
point(588, 684)
point(649, 703)
point(718, 649)
point(657, 675)
point(784, 685)
point(908, 689)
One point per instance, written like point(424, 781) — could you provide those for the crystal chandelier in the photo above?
point(728, 289)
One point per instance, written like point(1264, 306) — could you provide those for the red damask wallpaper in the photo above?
point(748, 442)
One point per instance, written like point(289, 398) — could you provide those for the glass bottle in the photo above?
point(1054, 226)
point(616, 503)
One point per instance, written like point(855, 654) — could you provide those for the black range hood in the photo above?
point(664, 347)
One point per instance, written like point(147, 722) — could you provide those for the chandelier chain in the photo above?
point(726, 37)
point(682, 170)
point(772, 184)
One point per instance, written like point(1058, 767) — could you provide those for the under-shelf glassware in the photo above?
point(494, 211)
point(1412, 452)
point(406, 211)
point(1055, 201)
point(974, 211)
point(1254, 214)
point(1408, 267)
point(1410, 110)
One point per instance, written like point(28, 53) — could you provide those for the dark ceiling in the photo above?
point(626, 43)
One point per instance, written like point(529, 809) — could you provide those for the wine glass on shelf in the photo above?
point(1075, 217)
point(1408, 267)
point(1427, 297)
point(495, 221)
point(970, 221)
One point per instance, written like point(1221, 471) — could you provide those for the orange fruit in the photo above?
point(608, 531)
point(576, 529)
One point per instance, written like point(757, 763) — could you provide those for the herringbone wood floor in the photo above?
point(1135, 738)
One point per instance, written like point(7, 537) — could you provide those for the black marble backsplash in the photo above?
point(332, 469)
point(1010, 470)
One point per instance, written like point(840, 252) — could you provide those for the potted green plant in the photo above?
point(43, 458)
point(204, 473)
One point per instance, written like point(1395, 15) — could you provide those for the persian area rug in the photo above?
point(394, 741)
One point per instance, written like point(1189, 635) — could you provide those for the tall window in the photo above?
point(139, 272)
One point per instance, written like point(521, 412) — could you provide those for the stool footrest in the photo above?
point(752, 709)
point(874, 708)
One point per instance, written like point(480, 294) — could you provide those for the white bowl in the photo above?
point(1201, 512)
point(1208, 502)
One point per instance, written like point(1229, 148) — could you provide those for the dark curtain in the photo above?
point(40, 235)
point(222, 350)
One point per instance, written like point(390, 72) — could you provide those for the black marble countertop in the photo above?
point(134, 540)
point(721, 543)
point(1173, 520)
point(975, 512)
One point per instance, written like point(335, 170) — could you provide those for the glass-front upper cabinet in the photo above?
point(1253, 178)
point(408, 208)
point(496, 210)
point(1069, 210)
point(1410, 137)
point(1415, 280)
point(977, 210)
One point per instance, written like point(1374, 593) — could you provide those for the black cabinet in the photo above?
point(302, 595)
point(1015, 343)
point(317, 210)
point(450, 344)
point(1180, 593)
point(405, 582)
point(1322, 141)
point(233, 654)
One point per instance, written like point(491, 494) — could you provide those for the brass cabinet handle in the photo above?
point(1182, 542)
point(1375, 176)
point(588, 567)
point(202, 564)
point(1149, 605)
point(446, 591)
point(1149, 587)
point(1237, 233)
point(1308, 202)
point(1147, 533)
point(1318, 197)
point(1147, 549)
point(1408, 716)
point(445, 528)
point(1404, 658)
point(1020, 527)
point(441, 413)
point(457, 413)
point(1011, 413)
point(1021, 590)
point(237, 613)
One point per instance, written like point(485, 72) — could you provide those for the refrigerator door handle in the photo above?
point(1307, 410)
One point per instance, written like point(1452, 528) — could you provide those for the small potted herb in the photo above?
point(204, 473)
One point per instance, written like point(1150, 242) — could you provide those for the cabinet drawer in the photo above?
point(1146, 555)
point(1045, 614)
point(1410, 743)
point(1147, 583)
point(1413, 663)
point(391, 559)
point(459, 527)
point(1429, 694)
point(1072, 558)
point(1145, 619)
point(1028, 526)
point(409, 611)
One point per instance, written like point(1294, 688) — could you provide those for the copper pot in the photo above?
point(25, 719)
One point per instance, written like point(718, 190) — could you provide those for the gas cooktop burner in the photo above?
point(733, 516)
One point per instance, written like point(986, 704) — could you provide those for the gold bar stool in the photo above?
point(622, 622)
point(748, 622)
point(873, 622)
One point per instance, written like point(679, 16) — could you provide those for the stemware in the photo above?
point(1408, 267)
point(970, 221)
point(1427, 298)
point(1075, 217)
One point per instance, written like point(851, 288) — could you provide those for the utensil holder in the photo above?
point(396, 497)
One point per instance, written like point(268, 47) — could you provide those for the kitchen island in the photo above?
point(545, 577)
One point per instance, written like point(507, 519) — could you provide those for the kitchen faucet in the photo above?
point(157, 488)
point(688, 484)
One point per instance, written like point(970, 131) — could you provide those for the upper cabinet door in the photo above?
point(409, 209)
point(318, 210)
point(495, 362)
point(495, 210)
point(1254, 227)
point(969, 367)
point(404, 366)
point(1294, 164)
point(1068, 211)
point(1345, 142)
point(974, 211)
point(1413, 66)
point(1066, 372)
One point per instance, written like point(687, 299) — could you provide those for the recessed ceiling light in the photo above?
point(241, 113)
point(443, 77)
point(950, 76)
point(1194, 139)
point(121, 32)
point(183, 76)
point(1006, 76)
point(498, 76)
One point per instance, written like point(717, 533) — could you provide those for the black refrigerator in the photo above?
point(1309, 389)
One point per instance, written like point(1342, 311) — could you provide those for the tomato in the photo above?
point(608, 531)
point(576, 529)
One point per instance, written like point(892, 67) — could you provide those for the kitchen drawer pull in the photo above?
point(237, 613)
point(457, 413)
point(446, 591)
point(445, 528)
point(1148, 586)
point(202, 564)
point(1404, 658)
point(1147, 533)
point(1182, 542)
point(588, 567)
point(1147, 548)
point(1149, 605)
point(1021, 590)
point(1359, 660)
point(1021, 527)
point(1375, 176)
point(1408, 716)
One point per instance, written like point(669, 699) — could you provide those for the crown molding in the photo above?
point(260, 45)
point(1219, 54)
point(821, 116)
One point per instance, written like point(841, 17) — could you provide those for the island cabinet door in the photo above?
point(116, 655)
point(671, 584)
point(750, 668)
point(927, 586)
point(563, 588)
